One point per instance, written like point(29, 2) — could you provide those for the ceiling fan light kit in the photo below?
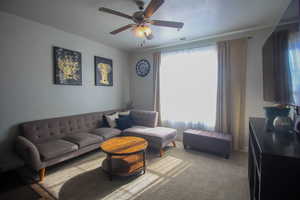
point(142, 31)
point(141, 19)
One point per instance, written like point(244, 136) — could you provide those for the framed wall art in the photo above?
point(67, 67)
point(103, 71)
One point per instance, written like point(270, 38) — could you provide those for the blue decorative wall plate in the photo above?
point(142, 68)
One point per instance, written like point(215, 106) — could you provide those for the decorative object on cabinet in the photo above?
point(143, 68)
point(103, 71)
point(297, 124)
point(282, 124)
point(271, 112)
point(67, 67)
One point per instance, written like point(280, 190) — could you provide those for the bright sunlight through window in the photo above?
point(188, 86)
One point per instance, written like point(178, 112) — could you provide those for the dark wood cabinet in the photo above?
point(274, 163)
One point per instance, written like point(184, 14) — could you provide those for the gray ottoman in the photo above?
point(214, 142)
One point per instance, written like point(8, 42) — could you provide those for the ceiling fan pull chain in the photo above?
point(143, 43)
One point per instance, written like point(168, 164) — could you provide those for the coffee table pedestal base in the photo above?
point(124, 165)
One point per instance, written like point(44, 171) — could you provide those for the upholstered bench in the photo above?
point(217, 143)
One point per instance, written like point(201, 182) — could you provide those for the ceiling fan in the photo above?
point(141, 19)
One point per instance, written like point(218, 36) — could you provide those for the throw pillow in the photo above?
point(124, 113)
point(104, 122)
point(124, 122)
point(111, 119)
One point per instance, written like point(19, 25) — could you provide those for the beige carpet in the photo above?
point(178, 175)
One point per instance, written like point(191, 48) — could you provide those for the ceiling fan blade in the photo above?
point(110, 11)
point(152, 7)
point(167, 23)
point(121, 29)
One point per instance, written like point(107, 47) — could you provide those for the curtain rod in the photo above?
point(197, 45)
point(245, 32)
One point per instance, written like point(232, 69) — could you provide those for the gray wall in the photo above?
point(26, 77)
point(142, 88)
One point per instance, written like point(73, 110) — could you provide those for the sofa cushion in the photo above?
point(155, 136)
point(104, 122)
point(83, 139)
point(124, 122)
point(124, 113)
point(106, 133)
point(111, 119)
point(54, 148)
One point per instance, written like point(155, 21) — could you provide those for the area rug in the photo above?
point(179, 175)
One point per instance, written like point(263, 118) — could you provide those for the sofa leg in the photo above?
point(161, 152)
point(42, 174)
point(174, 144)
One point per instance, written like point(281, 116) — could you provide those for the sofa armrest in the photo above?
point(28, 152)
point(144, 118)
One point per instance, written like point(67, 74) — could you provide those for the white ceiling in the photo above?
point(201, 17)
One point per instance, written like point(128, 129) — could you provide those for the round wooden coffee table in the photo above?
point(125, 156)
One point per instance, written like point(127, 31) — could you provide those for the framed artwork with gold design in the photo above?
point(67, 67)
point(103, 71)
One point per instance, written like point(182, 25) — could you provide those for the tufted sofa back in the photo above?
point(55, 128)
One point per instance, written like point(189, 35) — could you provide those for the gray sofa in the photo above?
point(50, 141)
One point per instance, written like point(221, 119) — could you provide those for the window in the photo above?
point(292, 70)
point(188, 86)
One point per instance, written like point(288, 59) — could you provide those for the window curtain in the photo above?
point(230, 117)
point(156, 69)
point(187, 81)
point(281, 43)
